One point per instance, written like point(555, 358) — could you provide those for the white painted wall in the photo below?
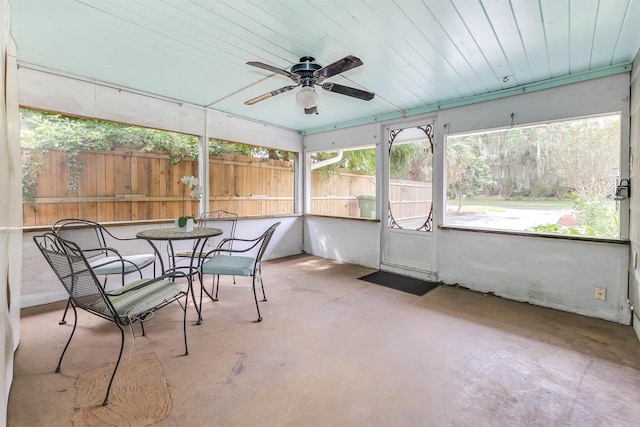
point(348, 240)
point(343, 138)
point(41, 89)
point(603, 95)
point(552, 272)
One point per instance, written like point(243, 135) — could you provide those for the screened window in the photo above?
point(555, 178)
point(250, 180)
point(343, 183)
point(112, 172)
point(77, 167)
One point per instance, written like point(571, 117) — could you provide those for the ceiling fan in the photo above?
point(308, 74)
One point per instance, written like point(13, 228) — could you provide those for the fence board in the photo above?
point(109, 178)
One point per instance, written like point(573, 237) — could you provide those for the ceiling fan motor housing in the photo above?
point(305, 69)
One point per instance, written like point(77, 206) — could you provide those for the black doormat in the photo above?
point(400, 283)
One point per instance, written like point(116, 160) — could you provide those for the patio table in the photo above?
point(199, 235)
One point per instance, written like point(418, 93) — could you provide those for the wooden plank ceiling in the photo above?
point(418, 55)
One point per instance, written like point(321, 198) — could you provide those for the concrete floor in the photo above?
point(336, 351)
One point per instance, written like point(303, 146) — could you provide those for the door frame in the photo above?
point(407, 252)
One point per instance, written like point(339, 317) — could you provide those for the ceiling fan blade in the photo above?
point(269, 95)
point(349, 91)
point(312, 110)
point(340, 66)
point(276, 70)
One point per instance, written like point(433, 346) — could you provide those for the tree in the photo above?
point(584, 155)
point(519, 162)
point(219, 147)
point(467, 172)
point(460, 151)
point(412, 161)
point(75, 135)
point(362, 160)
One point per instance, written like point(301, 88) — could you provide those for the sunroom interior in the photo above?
point(450, 69)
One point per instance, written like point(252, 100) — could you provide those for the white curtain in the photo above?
point(10, 206)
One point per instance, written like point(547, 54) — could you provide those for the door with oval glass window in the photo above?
point(408, 245)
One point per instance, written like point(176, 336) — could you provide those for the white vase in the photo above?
point(187, 227)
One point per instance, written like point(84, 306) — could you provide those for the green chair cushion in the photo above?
point(229, 265)
point(139, 297)
point(113, 265)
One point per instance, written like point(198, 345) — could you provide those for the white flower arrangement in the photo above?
point(195, 192)
point(192, 183)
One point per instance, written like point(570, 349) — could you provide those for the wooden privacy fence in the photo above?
point(117, 186)
point(335, 193)
point(125, 185)
point(410, 200)
point(346, 193)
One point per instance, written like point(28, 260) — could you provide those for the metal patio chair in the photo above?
point(135, 302)
point(237, 257)
point(105, 260)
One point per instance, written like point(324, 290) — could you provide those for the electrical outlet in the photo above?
point(211, 242)
point(600, 294)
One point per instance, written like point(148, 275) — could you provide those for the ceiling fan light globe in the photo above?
point(307, 97)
